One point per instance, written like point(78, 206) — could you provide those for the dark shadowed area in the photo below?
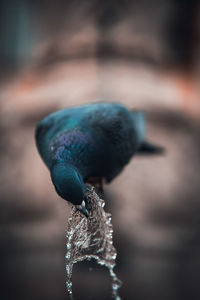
point(144, 54)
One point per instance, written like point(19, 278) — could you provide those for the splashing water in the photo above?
point(89, 238)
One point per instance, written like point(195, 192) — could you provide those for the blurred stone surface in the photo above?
point(154, 202)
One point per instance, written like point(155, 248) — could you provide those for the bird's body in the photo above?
point(98, 140)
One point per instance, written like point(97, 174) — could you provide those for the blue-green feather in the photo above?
point(99, 139)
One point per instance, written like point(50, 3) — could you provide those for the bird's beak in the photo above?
point(83, 209)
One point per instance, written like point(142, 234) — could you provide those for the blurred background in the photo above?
point(144, 54)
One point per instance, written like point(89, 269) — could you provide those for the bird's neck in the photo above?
point(65, 169)
point(62, 156)
point(63, 159)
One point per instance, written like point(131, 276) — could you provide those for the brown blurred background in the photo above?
point(144, 54)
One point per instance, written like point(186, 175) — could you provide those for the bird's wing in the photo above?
point(112, 122)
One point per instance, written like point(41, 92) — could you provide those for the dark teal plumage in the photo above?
point(97, 140)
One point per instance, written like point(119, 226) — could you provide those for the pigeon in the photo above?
point(89, 144)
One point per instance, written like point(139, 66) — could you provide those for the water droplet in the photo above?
point(91, 238)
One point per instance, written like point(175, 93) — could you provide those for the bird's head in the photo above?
point(69, 184)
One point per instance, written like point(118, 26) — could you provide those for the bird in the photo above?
point(90, 143)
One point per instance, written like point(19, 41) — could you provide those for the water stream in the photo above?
point(91, 238)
